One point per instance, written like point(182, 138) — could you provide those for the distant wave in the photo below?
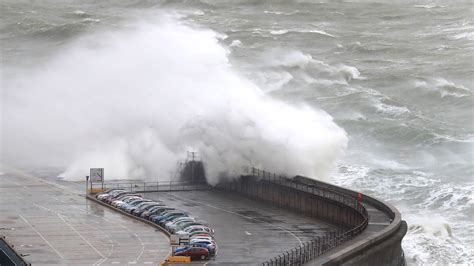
point(284, 31)
point(278, 32)
point(428, 6)
point(281, 12)
point(443, 87)
point(235, 43)
point(465, 35)
point(282, 66)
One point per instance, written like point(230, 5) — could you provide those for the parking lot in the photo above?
point(247, 231)
point(52, 224)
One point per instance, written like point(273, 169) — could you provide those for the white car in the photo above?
point(202, 238)
point(195, 228)
point(183, 225)
point(175, 223)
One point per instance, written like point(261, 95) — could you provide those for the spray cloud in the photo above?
point(134, 101)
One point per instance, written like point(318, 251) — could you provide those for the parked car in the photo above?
point(111, 193)
point(105, 193)
point(146, 206)
point(196, 238)
point(182, 220)
point(171, 217)
point(133, 205)
point(153, 213)
point(202, 244)
point(196, 228)
point(163, 217)
point(114, 195)
point(194, 253)
point(211, 246)
point(199, 233)
point(183, 225)
point(120, 202)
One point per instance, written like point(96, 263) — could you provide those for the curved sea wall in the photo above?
point(380, 246)
point(362, 238)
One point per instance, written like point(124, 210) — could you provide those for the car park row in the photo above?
point(202, 244)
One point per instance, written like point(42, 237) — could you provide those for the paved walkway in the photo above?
point(51, 224)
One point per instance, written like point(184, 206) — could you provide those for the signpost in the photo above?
point(96, 176)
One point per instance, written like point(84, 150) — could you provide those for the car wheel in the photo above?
point(203, 257)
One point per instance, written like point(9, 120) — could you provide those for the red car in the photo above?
point(194, 253)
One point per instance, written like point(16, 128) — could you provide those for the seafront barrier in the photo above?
point(370, 231)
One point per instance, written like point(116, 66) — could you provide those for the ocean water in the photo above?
point(397, 77)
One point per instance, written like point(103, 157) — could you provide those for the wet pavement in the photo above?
point(53, 224)
point(246, 231)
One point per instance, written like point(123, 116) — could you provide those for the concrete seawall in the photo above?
point(372, 241)
point(379, 244)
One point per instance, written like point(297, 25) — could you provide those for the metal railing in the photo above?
point(324, 192)
point(325, 201)
point(159, 186)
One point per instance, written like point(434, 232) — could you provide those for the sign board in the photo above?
point(179, 240)
point(97, 175)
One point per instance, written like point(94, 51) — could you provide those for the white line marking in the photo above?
point(148, 262)
point(83, 238)
point(42, 237)
point(98, 262)
point(105, 258)
point(143, 248)
point(80, 195)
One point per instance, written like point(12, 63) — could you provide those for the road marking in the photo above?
point(248, 233)
point(85, 240)
point(126, 228)
point(104, 258)
point(238, 214)
point(143, 248)
point(79, 195)
point(148, 262)
point(42, 237)
point(98, 262)
point(115, 262)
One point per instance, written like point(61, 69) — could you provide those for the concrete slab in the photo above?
point(53, 225)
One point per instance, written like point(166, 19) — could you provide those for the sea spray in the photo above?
point(135, 100)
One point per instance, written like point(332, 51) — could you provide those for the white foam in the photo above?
point(135, 100)
point(391, 109)
point(429, 6)
point(464, 35)
point(236, 43)
point(443, 87)
point(79, 13)
point(318, 32)
point(278, 32)
point(91, 20)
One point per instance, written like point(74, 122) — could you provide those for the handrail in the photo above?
point(318, 245)
point(151, 186)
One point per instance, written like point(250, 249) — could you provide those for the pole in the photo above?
point(87, 180)
point(192, 167)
